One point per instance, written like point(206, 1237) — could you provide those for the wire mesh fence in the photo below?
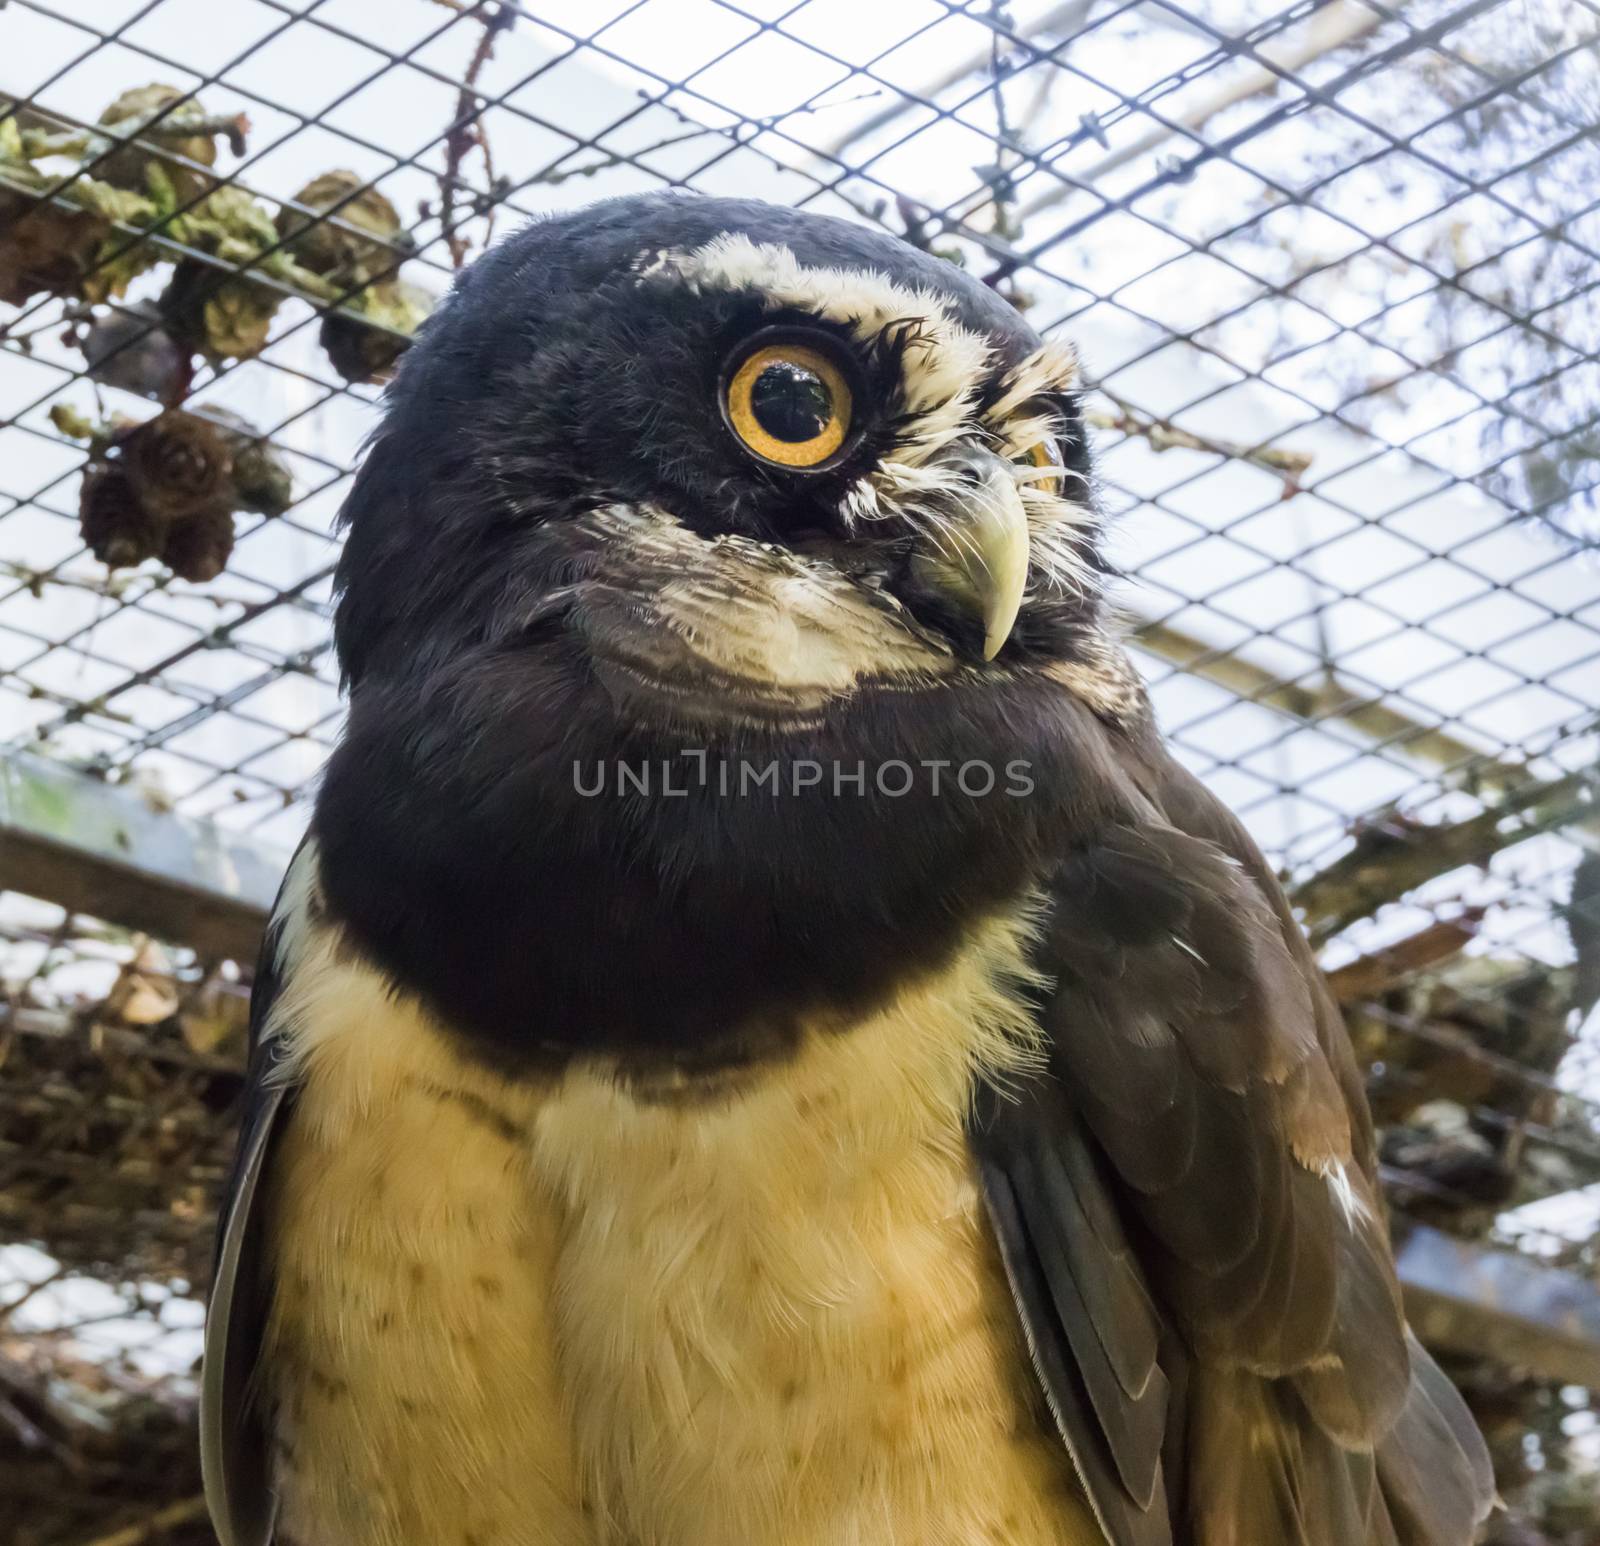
point(1332, 268)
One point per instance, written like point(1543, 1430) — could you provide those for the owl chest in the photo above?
point(505, 1319)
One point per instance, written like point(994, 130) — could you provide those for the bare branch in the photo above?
point(1391, 859)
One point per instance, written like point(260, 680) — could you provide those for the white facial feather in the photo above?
point(1052, 367)
point(755, 612)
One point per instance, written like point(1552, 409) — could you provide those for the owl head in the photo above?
point(675, 475)
point(774, 450)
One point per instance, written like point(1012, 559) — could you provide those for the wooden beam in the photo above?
point(101, 849)
point(1490, 1303)
point(1324, 700)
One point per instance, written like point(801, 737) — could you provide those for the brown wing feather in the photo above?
point(1158, 940)
point(1202, 1147)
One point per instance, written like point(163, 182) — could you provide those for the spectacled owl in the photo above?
point(761, 1044)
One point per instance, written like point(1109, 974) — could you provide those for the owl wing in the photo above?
point(235, 1447)
point(1187, 1210)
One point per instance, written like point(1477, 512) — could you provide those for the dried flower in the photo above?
point(59, 236)
point(218, 314)
point(332, 250)
point(43, 247)
point(178, 463)
point(168, 488)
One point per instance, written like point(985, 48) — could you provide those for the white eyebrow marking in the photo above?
point(946, 361)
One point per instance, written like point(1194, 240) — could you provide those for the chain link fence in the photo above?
point(1332, 267)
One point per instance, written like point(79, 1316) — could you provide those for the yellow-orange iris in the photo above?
point(1044, 454)
point(790, 404)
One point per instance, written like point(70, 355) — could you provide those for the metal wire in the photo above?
point(1333, 267)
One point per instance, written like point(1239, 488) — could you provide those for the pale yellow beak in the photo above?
point(977, 555)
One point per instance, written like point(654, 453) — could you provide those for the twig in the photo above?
point(163, 1519)
point(1162, 436)
point(1001, 185)
point(1334, 27)
point(466, 131)
point(40, 1420)
point(54, 1024)
point(1064, 19)
point(618, 158)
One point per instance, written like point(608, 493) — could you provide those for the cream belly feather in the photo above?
point(563, 1315)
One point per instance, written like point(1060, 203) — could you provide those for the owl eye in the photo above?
point(789, 403)
point(1045, 454)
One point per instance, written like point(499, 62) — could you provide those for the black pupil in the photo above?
point(790, 402)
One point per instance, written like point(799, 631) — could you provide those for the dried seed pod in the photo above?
point(168, 488)
point(179, 464)
point(361, 352)
point(116, 526)
point(332, 250)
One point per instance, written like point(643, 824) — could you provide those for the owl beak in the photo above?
point(975, 550)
